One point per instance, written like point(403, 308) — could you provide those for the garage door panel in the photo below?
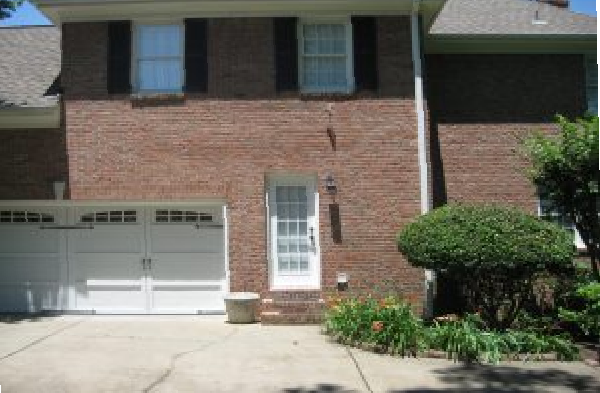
point(109, 240)
point(18, 238)
point(29, 268)
point(30, 297)
point(186, 239)
point(187, 267)
point(187, 300)
point(30, 259)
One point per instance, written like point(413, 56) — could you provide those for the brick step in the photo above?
point(277, 318)
point(280, 312)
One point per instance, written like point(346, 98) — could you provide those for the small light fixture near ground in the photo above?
point(330, 185)
point(59, 189)
point(342, 281)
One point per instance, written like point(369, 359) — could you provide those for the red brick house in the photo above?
point(157, 155)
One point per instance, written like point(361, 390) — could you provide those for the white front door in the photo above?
point(294, 233)
point(148, 260)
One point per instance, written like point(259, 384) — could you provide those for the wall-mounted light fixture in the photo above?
point(342, 281)
point(59, 189)
point(330, 185)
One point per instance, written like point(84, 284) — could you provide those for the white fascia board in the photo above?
point(61, 11)
point(29, 118)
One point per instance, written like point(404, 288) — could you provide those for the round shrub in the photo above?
point(493, 251)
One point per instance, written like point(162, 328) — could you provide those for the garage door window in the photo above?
point(24, 216)
point(110, 217)
point(178, 216)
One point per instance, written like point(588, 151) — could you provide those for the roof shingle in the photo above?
point(29, 65)
point(509, 18)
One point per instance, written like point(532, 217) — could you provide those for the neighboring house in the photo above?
point(191, 148)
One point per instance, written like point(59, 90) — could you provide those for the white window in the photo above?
point(159, 57)
point(294, 233)
point(549, 213)
point(326, 56)
point(591, 82)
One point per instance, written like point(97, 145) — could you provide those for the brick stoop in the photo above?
point(292, 309)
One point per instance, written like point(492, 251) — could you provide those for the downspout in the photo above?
point(420, 112)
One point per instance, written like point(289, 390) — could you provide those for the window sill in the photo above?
point(156, 99)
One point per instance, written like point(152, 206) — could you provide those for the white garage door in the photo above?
point(30, 259)
point(115, 260)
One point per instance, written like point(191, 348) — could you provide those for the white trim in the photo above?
point(29, 118)
point(225, 219)
point(422, 142)
point(135, 43)
point(327, 19)
point(85, 10)
point(100, 203)
point(578, 241)
point(312, 280)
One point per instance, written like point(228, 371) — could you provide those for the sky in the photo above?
point(27, 14)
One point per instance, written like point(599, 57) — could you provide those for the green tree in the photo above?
point(565, 167)
point(494, 252)
point(8, 6)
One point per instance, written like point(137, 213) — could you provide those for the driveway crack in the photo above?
point(41, 339)
point(360, 372)
point(167, 373)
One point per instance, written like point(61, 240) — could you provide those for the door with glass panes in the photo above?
point(294, 233)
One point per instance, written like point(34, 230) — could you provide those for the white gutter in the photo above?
point(423, 167)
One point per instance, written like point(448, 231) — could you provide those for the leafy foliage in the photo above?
point(389, 325)
point(565, 169)
point(588, 319)
point(8, 6)
point(494, 252)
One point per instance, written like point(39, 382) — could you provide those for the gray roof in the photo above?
point(29, 66)
point(510, 18)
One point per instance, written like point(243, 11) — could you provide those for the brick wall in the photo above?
point(224, 144)
point(30, 160)
point(481, 105)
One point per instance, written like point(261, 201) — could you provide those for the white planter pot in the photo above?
point(242, 307)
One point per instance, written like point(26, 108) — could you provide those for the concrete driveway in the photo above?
point(204, 354)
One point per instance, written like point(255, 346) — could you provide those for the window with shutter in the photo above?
point(326, 56)
point(159, 58)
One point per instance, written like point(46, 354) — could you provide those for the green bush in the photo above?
point(588, 317)
point(493, 252)
point(390, 326)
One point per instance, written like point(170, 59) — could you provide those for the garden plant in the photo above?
point(494, 252)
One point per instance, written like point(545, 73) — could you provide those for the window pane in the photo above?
point(160, 75)
point(325, 73)
point(159, 40)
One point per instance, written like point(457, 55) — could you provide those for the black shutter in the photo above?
point(196, 55)
point(286, 53)
point(364, 31)
point(119, 57)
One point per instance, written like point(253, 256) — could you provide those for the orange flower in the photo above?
point(377, 326)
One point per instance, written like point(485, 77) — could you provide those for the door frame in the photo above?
point(311, 182)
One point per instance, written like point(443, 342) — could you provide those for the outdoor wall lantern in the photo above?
point(330, 185)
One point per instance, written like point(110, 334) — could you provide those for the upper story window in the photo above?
point(159, 58)
point(325, 54)
point(591, 82)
